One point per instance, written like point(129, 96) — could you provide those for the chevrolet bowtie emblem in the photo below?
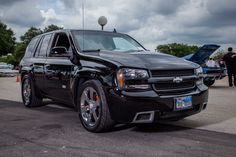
point(177, 80)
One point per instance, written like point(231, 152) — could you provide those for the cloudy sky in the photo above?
point(151, 22)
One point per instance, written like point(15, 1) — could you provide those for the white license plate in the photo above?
point(182, 103)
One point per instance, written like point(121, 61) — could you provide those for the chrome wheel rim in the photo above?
point(90, 106)
point(26, 91)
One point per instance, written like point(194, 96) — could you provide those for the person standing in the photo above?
point(211, 63)
point(229, 59)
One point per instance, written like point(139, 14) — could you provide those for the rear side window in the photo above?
point(31, 47)
point(44, 46)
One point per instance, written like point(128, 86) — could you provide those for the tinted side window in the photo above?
point(44, 45)
point(61, 39)
point(31, 47)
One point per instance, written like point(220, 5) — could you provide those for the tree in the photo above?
point(27, 37)
point(7, 40)
point(51, 27)
point(18, 49)
point(32, 32)
point(177, 49)
point(218, 56)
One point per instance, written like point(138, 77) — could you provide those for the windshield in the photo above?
point(96, 41)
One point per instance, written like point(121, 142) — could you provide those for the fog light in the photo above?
point(141, 86)
point(199, 82)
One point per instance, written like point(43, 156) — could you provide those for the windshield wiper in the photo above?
point(140, 50)
point(92, 50)
point(135, 50)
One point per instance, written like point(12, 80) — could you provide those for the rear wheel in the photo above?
point(93, 109)
point(29, 97)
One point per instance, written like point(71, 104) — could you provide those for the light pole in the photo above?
point(102, 21)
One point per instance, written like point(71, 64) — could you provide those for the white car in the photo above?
point(6, 70)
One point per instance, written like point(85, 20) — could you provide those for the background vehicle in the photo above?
point(109, 77)
point(200, 57)
point(7, 70)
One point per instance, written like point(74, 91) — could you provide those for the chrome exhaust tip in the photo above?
point(144, 117)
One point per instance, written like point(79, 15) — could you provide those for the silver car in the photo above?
point(7, 70)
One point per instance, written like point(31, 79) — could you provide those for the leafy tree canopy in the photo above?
point(26, 38)
point(177, 49)
point(8, 45)
point(32, 32)
point(7, 40)
point(51, 27)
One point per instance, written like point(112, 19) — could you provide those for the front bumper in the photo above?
point(125, 106)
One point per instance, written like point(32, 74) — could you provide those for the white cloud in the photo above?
point(50, 17)
point(49, 14)
point(21, 13)
point(151, 22)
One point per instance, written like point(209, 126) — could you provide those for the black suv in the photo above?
point(110, 78)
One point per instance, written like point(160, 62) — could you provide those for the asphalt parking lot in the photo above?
point(54, 130)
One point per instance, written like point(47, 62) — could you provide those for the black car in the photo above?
point(110, 78)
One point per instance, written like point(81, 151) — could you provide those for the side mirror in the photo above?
point(59, 51)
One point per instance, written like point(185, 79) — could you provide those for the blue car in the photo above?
point(201, 57)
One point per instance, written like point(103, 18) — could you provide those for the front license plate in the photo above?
point(182, 103)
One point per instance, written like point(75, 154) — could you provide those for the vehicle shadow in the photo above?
point(69, 114)
point(220, 87)
point(52, 106)
point(158, 127)
point(162, 126)
point(148, 128)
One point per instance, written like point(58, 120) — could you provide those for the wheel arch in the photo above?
point(85, 75)
point(26, 70)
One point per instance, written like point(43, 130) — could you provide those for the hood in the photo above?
point(187, 57)
point(147, 60)
point(203, 54)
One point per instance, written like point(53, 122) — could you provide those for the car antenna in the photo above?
point(83, 24)
point(114, 31)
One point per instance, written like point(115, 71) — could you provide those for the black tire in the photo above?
point(104, 121)
point(33, 100)
point(209, 83)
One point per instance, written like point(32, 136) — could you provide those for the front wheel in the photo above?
point(209, 83)
point(92, 106)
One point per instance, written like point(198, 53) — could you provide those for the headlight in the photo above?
point(199, 72)
point(132, 79)
point(133, 74)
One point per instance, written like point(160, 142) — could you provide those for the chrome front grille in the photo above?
point(169, 73)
